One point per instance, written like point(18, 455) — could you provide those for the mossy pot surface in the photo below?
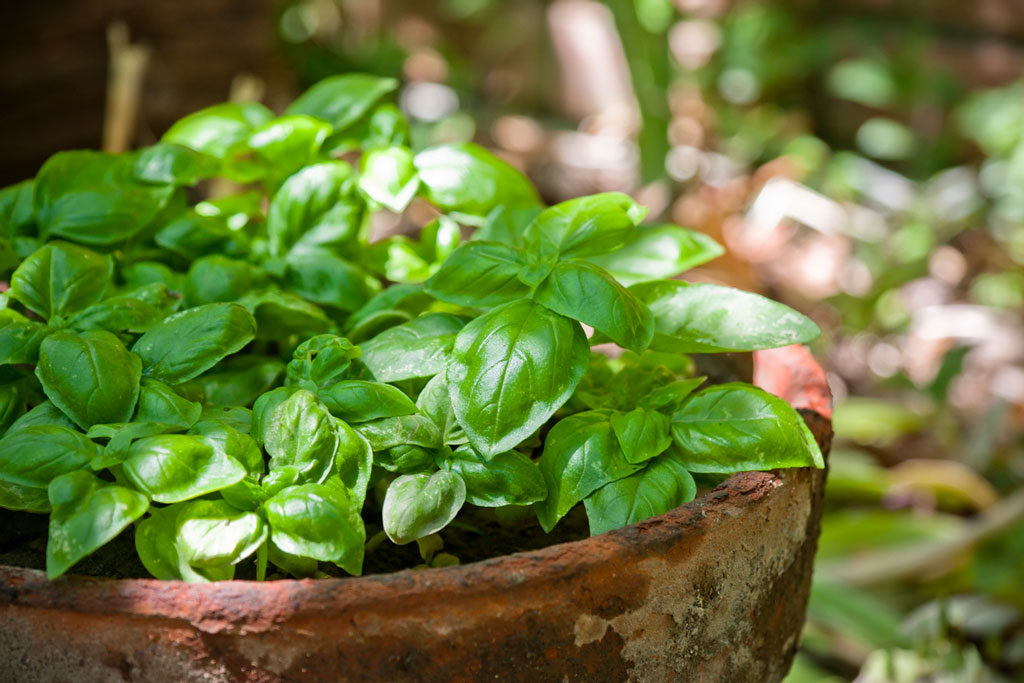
point(714, 591)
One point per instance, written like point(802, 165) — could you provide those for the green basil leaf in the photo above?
point(508, 478)
point(121, 435)
point(23, 498)
point(60, 279)
point(238, 381)
point(314, 207)
point(87, 513)
point(701, 318)
point(511, 369)
point(159, 403)
point(146, 273)
point(170, 468)
point(586, 226)
point(399, 259)
point(405, 459)
point(173, 164)
point(35, 456)
point(263, 410)
point(216, 278)
point(663, 485)
point(216, 129)
point(341, 100)
point(119, 314)
point(353, 463)
point(581, 454)
point(658, 252)
point(467, 179)
point(671, 395)
point(386, 126)
point(212, 533)
point(737, 427)
point(324, 278)
point(94, 198)
point(320, 362)
point(417, 505)
point(213, 331)
point(280, 315)
point(17, 217)
point(414, 430)
point(19, 338)
point(418, 348)
point(439, 239)
point(360, 401)
point(435, 403)
point(584, 292)
point(318, 521)
point(480, 274)
point(12, 403)
point(301, 437)
point(235, 444)
point(410, 299)
point(190, 236)
point(507, 225)
point(43, 414)
point(90, 376)
point(288, 143)
point(388, 177)
point(642, 434)
point(156, 541)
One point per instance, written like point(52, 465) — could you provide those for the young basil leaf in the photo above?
point(318, 521)
point(480, 274)
point(405, 459)
point(737, 427)
point(584, 292)
point(399, 259)
point(439, 239)
point(467, 179)
point(386, 126)
point(60, 279)
point(146, 273)
point(173, 164)
point(329, 280)
point(159, 403)
point(414, 430)
point(418, 348)
point(156, 541)
point(581, 454)
point(43, 414)
point(213, 331)
point(216, 129)
point(642, 433)
point(288, 143)
point(360, 401)
point(320, 362)
point(508, 478)
point(87, 513)
point(670, 396)
point(314, 207)
point(238, 381)
point(170, 468)
point(34, 456)
point(19, 338)
point(263, 410)
point(121, 435)
point(216, 278)
point(212, 533)
point(663, 485)
point(435, 403)
point(119, 314)
point(507, 225)
point(353, 463)
point(409, 299)
point(417, 505)
point(90, 376)
point(301, 436)
point(658, 252)
point(280, 315)
point(702, 318)
point(23, 498)
point(17, 216)
point(585, 226)
point(388, 177)
point(511, 369)
point(235, 444)
point(341, 100)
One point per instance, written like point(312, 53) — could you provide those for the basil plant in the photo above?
point(252, 379)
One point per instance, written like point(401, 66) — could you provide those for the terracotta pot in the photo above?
point(712, 591)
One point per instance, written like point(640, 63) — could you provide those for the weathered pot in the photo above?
point(712, 591)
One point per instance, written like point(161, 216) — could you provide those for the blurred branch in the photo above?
point(124, 86)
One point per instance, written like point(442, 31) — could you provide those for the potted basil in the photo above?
point(250, 387)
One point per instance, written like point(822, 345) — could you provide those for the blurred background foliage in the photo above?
point(862, 160)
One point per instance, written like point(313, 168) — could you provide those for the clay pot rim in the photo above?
point(789, 372)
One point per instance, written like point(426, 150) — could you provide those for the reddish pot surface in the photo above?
point(713, 591)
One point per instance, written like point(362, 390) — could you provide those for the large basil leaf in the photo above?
point(213, 331)
point(737, 427)
point(212, 533)
point(127, 313)
point(702, 318)
point(413, 430)
point(314, 207)
point(581, 454)
point(23, 498)
point(480, 274)
point(288, 143)
point(584, 292)
point(418, 348)
point(642, 433)
point(417, 505)
point(61, 278)
point(353, 464)
point(19, 338)
point(90, 376)
point(388, 177)
point(94, 198)
point(324, 278)
point(156, 541)
point(467, 179)
point(586, 226)
point(508, 478)
point(301, 438)
point(511, 369)
point(159, 403)
point(341, 100)
point(435, 402)
point(318, 521)
point(87, 512)
point(216, 278)
point(43, 414)
point(216, 129)
point(168, 163)
point(658, 252)
point(360, 401)
point(663, 485)
point(36, 455)
point(170, 468)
